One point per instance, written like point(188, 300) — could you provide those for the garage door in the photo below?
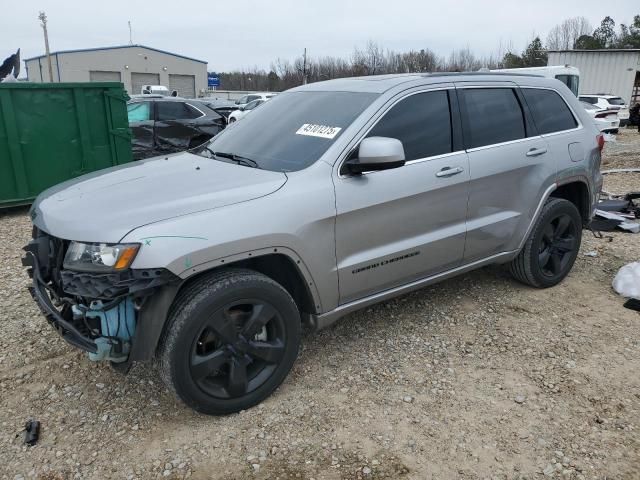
point(140, 79)
point(103, 76)
point(185, 85)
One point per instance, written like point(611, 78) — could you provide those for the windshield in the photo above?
point(615, 101)
point(571, 81)
point(291, 131)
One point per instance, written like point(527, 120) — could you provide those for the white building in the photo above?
point(133, 65)
point(615, 72)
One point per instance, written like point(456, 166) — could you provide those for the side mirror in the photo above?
point(377, 153)
point(174, 93)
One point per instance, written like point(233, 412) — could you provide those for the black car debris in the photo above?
point(162, 125)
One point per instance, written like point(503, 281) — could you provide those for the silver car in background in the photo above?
point(328, 198)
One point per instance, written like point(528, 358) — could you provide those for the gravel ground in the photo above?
point(478, 377)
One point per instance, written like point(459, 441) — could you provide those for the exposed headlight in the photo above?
point(100, 257)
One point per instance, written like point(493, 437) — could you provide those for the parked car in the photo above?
point(223, 107)
point(327, 199)
point(157, 90)
point(163, 125)
point(243, 101)
point(609, 102)
point(606, 120)
point(244, 111)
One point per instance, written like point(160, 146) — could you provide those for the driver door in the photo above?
point(399, 225)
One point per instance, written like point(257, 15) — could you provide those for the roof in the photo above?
point(598, 50)
point(382, 83)
point(60, 52)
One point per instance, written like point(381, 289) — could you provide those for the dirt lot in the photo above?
point(478, 377)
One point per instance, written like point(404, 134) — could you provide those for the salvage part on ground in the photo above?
point(627, 281)
point(623, 222)
point(621, 170)
point(31, 432)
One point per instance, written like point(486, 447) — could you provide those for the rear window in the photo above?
point(615, 101)
point(492, 115)
point(550, 112)
point(422, 122)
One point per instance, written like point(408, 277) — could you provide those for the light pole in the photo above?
point(43, 22)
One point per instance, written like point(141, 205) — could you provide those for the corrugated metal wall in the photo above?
point(611, 72)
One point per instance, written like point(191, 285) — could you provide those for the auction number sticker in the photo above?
point(322, 131)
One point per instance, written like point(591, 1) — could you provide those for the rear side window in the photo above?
point(176, 111)
point(493, 115)
point(138, 112)
point(422, 122)
point(549, 110)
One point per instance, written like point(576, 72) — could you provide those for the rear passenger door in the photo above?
point(399, 225)
point(556, 123)
point(510, 168)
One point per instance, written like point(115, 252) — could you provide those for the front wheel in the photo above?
point(552, 246)
point(231, 339)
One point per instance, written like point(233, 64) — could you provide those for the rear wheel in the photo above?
point(232, 338)
point(552, 246)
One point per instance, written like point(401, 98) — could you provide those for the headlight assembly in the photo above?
point(100, 257)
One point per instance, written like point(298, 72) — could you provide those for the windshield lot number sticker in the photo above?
point(322, 131)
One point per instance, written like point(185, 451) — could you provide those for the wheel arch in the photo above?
point(278, 263)
point(576, 190)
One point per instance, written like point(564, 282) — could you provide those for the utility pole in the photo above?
point(43, 19)
point(130, 34)
point(304, 67)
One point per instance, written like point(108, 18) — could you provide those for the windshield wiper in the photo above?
point(240, 160)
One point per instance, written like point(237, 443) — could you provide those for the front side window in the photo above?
point(175, 111)
point(492, 115)
point(422, 122)
point(292, 130)
point(139, 111)
point(550, 112)
point(244, 99)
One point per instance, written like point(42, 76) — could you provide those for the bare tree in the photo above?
point(564, 35)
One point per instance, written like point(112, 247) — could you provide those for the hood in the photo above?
point(104, 206)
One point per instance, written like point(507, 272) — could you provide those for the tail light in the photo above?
point(600, 139)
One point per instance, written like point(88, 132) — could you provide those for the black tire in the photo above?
point(204, 356)
point(552, 246)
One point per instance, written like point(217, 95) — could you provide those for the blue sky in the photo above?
point(244, 34)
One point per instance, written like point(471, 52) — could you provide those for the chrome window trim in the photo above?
point(389, 106)
point(501, 144)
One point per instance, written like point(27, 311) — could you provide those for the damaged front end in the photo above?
point(98, 312)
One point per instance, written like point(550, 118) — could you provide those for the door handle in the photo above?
point(449, 172)
point(534, 152)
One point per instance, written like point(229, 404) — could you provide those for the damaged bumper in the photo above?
point(96, 312)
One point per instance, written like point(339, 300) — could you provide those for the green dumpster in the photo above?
point(51, 132)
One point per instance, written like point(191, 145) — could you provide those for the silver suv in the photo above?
point(329, 198)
